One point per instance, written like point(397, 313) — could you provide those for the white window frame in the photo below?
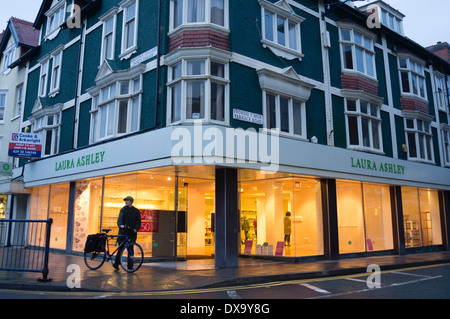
point(391, 21)
point(445, 129)
point(278, 116)
point(43, 76)
point(441, 92)
point(281, 11)
point(181, 82)
point(367, 48)
point(58, 11)
point(414, 68)
point(371, 118)
point(107, 103)
point(42, 125)
point(57, 56)
point(8, 58)
point(207, 19)
point(420, 130)
point(3, 93)
point(110, 15)
point(181, 58)
point(19, 100)
point(128, 50)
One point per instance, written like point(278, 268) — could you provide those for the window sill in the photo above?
point(53, 93)
point(199, 26)
point(364, 149)
point(419, 160)
point(282, 51)
point(125, 55)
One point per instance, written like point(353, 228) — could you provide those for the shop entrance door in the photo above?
point(196, 198)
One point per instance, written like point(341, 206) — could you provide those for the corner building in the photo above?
point(221, 116)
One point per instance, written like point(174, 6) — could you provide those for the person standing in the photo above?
point(129, 222)
point(287, 229)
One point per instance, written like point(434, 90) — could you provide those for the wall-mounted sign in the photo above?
point(25, 144)
point(246, 116)
point(144, 56)
point(5, 168)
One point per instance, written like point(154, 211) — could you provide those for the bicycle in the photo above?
point(129, 261)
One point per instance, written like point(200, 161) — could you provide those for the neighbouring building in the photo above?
point(219, 117)
point(17, 41)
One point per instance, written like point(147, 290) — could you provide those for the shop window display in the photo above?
point(364, 217)
point(87, 211)
point(264, 220)
point(52, 202)
point(58, 210)
point(421, 218)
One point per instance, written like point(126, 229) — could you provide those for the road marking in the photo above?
point(372, 289)
point(316, 289)
point(233, 294)
point(408, 274)
point(358, 280)
point(209, 290)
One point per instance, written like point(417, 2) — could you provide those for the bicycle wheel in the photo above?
point(94, 260)
point(132, 257)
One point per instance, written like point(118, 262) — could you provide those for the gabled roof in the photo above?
point(46, 5)
point(23, 33)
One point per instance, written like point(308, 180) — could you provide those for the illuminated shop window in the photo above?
point(364, 217)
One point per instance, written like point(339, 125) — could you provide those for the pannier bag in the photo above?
point(95, 243)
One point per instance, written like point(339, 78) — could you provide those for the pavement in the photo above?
point(198, 274)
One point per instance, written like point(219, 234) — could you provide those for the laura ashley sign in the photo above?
point(377, 166)
point(80, 161)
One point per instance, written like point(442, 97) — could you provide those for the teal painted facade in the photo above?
point(321, 65)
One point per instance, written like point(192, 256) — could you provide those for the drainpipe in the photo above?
point(75, 117)
point(158, 60)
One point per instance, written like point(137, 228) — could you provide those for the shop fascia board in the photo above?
point(156, 149)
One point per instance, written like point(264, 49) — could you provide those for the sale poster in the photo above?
point(149, 221)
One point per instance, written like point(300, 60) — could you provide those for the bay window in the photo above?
point(198, 89)
point(412, 77)
point(357, 52)
point(189, 12)
point(116, 110)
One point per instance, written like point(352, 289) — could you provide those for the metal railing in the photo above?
point(25, 245)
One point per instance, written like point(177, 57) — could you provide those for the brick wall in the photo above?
point(198, 38)
point(359, 83)
point(412, 104)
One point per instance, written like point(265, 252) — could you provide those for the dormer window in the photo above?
point(55, 18)
point(281, 29)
